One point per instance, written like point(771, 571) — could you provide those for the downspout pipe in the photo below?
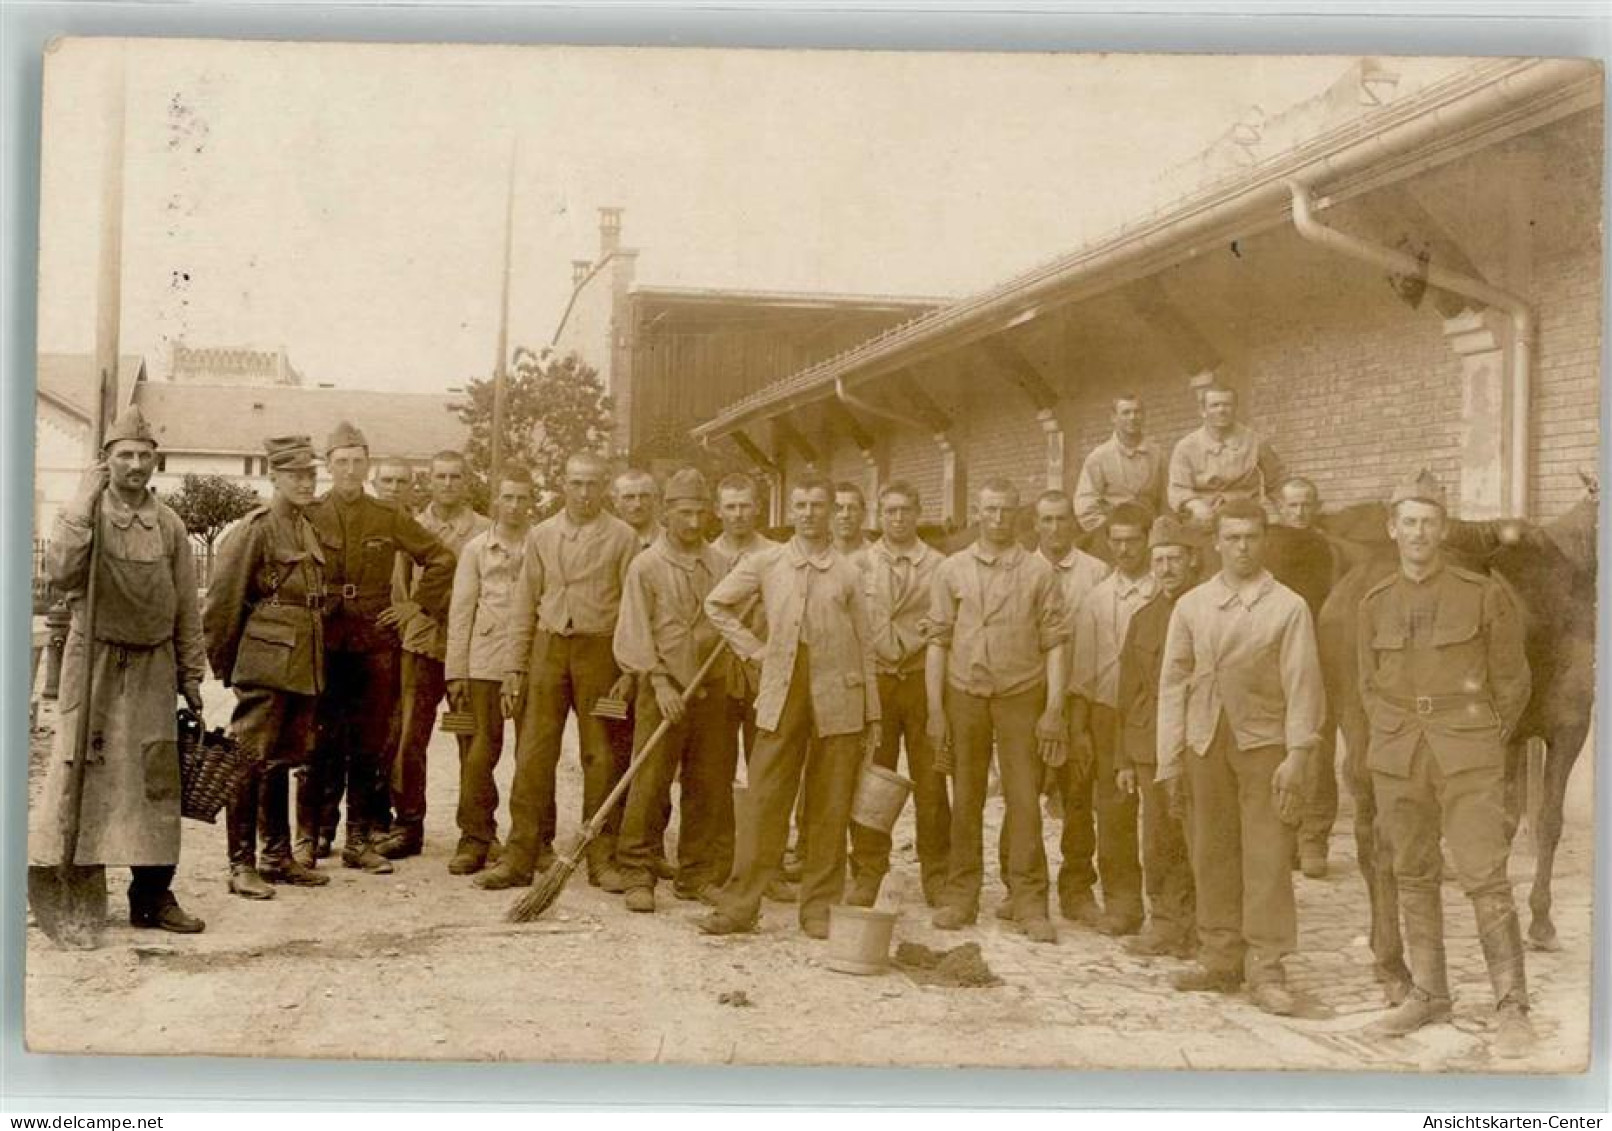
point(848, 399)
point(1522, 325)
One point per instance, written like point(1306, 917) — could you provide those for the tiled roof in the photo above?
point(236, 418)
point(70, 379)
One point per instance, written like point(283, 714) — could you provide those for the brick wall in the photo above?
point(1353, 386)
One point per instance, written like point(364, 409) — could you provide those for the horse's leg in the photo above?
point(1375, 859)
point(1559, 759)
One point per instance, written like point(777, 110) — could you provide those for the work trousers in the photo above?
point(572, 673)
point(148, 884)
point(1165, 864)
point(1008, 723)
point(423, 687)
point(830, 766)
point(903, 720)
point(742, 720)
point(700, 751)
point(478, 793)
point(1320, 794)
point(355, 747)
point(1242, 856)
point(1119, 863)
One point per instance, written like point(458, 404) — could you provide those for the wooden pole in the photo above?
point(109, 279)
point(501, 369)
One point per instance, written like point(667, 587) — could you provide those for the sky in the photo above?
point(347, 202)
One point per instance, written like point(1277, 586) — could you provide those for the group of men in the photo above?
point(1170, 696)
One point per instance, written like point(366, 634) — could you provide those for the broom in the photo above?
point(548, 888)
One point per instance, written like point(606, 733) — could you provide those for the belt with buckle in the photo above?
point(307, 601)
point(1427, 704)
point(349, 592)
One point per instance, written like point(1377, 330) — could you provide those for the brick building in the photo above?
point(1356, 368)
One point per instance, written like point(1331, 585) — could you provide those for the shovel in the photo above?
point(69, 899)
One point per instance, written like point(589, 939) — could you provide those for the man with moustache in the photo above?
point(1165, 868)
point(1100, 623)
point(450, 519)
point(900, 573)
point(1221, 461)
point(1444, 679)
point(1125, 468)
point(361, 537)
point(146, 650)
point(561, 621)
point(817, 711)
point(662, 637)
point(474, 661)
point(635, 496)
point(264, 626)
point(1240, 707)
point(994, 678)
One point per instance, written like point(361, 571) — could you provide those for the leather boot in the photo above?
point(1500, 934)
point(1429, 999)
point(240, 822)
point(360, 852)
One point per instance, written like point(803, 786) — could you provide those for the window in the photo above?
point(247, 468)
point(162, 462)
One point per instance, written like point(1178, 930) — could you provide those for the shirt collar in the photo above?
point(683, 561)
point(572, 531)
point(508, 547)
point(749, 545)
point(1076, 556)
point(819, 561)
point(1146, 585)
point(1254, 591)
point(1144, 446)
point(121, 515)
point(1428, 580)
point(458, 523)
point(990, 557)
point(1236, 438)
point(913, 553)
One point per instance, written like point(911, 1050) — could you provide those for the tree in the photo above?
point(554, 406)
point(209, 503)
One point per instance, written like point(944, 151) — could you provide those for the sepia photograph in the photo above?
point(718, 556)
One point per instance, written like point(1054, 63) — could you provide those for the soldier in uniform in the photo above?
point(361, 537)
point(662, 637)
point(1221, 461)
point(146, 648)
point(1444, 680)
point(1166, 871)
point(264, 626)
point(449, 517)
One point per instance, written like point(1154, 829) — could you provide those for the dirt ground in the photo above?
point(420, 964)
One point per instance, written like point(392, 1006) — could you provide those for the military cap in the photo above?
point(1171, 531)
point(1422, 487)
point(686, 484)
point(345, 436)
point(131, 425)
point(290, 453)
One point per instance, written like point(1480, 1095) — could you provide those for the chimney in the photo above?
point(579, 270)
point(609, 230)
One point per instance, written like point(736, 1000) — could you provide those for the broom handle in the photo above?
point(596, 822)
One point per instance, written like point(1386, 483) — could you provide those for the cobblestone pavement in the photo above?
point(421, 965)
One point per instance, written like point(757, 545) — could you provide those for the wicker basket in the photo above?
point(212, 767)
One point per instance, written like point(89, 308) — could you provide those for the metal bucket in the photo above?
point(880, 794)
point(859, 939)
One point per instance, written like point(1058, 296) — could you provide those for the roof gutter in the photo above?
point(1522, 325)
point(1350, 160)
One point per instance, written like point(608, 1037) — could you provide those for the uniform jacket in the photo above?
point(263, 620)
point(1441, 661)
point(483, 590)
point(1242, 465)
point(146, 646)
point(1097, 634)
point(816, 598)
point(1250, 656)
point(1114, 474)
point(360, 541)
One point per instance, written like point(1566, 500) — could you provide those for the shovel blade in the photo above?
point(69, 903)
